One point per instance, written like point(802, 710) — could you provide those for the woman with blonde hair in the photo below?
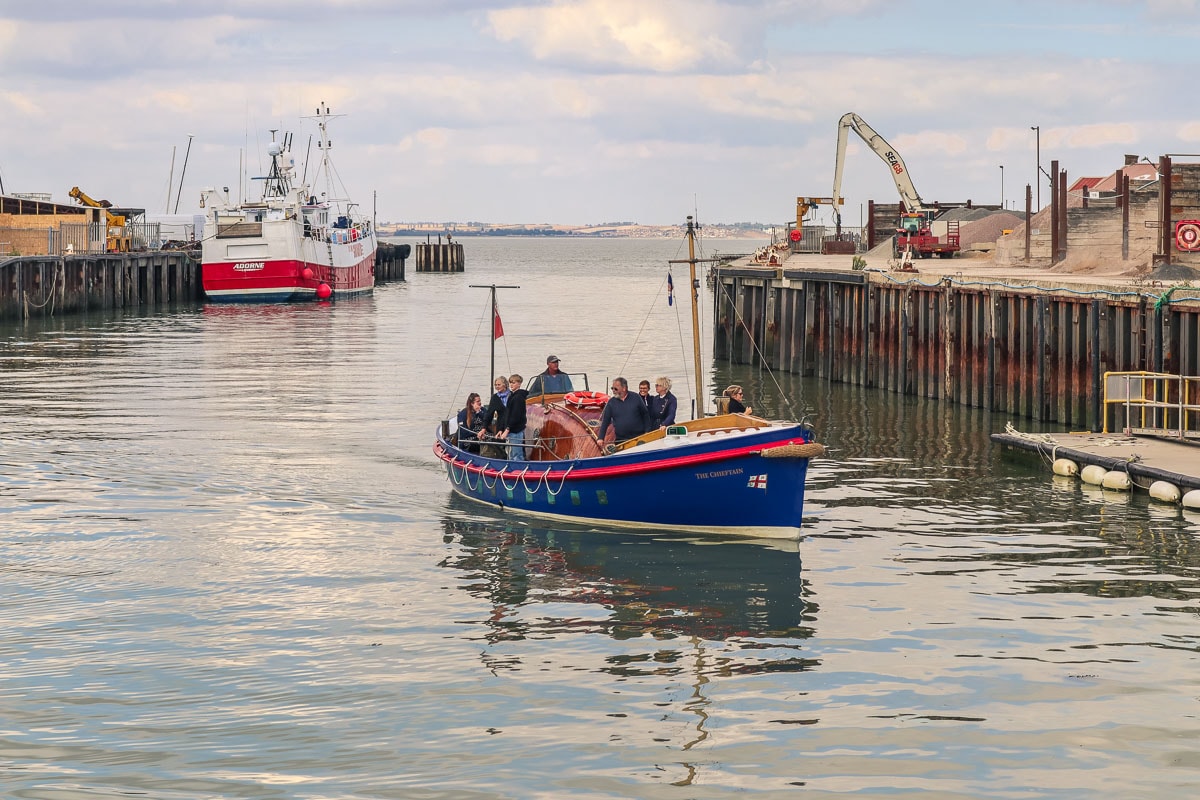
point(662, 404)
point(736, 400)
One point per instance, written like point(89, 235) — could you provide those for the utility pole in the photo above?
point(1037, 130)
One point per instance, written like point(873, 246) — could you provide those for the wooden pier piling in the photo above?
point(440, 257)
point(46, 286)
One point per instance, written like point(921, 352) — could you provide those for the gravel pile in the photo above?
point(986, 229)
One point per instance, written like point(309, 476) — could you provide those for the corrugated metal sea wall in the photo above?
point(1033, 351)
point(37, 286)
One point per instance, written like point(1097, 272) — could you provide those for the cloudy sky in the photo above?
point(589, 111)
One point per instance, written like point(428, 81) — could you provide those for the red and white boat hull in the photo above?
point(283, 264)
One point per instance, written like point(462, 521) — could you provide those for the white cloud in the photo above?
point(1189, 132)
point(663, 36)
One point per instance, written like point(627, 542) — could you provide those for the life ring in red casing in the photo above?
point(1187, 235)
point(796, 235)
point(585, 399)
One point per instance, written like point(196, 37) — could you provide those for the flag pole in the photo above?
point(495, 315)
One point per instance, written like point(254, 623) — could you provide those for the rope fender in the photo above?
point(807, 450)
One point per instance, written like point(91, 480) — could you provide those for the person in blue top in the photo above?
point(625, 412)
point(663, 404)
point(551, 381)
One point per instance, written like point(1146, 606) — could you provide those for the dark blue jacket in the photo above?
point(662, 410)
point(628, 418)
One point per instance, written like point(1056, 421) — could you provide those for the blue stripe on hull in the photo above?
point(287, 296)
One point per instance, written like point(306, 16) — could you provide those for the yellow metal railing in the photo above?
point(1152, 404)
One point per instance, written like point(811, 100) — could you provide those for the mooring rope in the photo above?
point(57, 277)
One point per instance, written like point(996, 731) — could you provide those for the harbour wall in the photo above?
point(46, 286)
point(1033, 350)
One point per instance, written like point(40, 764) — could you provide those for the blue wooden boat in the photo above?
point(726, 474)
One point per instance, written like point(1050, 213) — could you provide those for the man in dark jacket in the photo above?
point(625, 412)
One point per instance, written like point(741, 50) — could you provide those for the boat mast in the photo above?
point(493, 287)
point(692, 261)
point(691, 237)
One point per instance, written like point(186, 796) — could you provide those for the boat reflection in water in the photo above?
point(628, 584)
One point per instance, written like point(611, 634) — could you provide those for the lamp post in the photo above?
point(1037, 130)
point(1001, 187)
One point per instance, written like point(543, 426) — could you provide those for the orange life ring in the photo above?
point(586, 399)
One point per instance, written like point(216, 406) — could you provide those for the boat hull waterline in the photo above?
point(745, 483)
point(284, 280)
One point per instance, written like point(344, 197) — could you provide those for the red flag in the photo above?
point(497, 326)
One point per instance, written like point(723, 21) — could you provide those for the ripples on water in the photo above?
point(232, 568)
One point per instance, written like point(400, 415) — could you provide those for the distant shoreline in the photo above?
point(624, 231)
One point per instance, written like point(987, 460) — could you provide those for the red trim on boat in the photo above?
point(626, 469)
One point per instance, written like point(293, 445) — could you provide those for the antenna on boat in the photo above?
point(183, 172)
point(692, 261)
point(170, 182)
point(495, 319)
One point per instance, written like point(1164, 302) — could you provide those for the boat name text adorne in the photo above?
point(248, 266)
point(719, 473)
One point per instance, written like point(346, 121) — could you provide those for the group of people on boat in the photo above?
point(501, 425)
point(631, 415)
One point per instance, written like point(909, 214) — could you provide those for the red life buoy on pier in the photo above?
point(585, 399)
point(796, 235)
point(1187, 235)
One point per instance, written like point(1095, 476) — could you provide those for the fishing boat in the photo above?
point(732, 474)
point(292, 244)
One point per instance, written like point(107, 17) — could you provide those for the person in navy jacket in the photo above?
point(663, 404)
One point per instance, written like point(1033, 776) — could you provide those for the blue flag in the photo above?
point(670, 290)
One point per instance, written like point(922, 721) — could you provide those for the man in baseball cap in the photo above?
point(550, 381)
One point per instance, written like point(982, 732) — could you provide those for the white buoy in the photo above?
point(1093, 474)
point(1164, 491)
point(1065, 467)
point(1117, 480)
point(1192, 499)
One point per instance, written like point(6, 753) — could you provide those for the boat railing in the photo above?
point(1152, 404)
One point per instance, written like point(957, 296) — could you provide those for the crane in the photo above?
point(908, 192)
point(913, 231)
point(116, 237)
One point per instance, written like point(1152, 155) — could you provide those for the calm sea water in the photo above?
point(230, 567)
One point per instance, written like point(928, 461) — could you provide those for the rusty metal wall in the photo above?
point(1033, 353)
point(45, 286)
